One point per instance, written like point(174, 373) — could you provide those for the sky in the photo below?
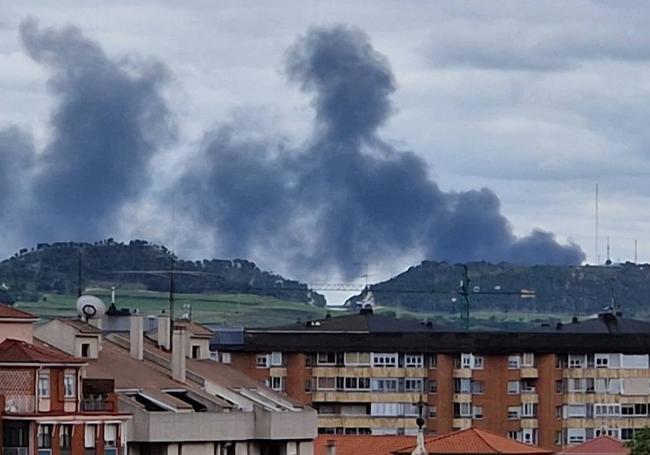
point(316, 137)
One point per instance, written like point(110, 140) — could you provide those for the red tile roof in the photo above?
point(603, 445)
point(9, 312)
point(475, 441)
point(18, 351)
point(360, 444)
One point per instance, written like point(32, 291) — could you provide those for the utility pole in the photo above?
point(171, 302)
point(464, 291)
point(79, 286)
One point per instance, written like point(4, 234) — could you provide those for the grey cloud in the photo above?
point(16, 161)
point(361, 199)
point(109, 120)
point(557, 44)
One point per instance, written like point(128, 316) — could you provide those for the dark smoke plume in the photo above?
point(347, 196)
point(109, 120)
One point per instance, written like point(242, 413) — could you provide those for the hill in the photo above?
point(53, 269)
point(562, 290)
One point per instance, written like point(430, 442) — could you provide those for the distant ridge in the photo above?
point(53, 268)
point(562, 290)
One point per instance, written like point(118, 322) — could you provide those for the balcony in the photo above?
point(529, 373)
point(99, 403)
point(463, 373)
point(19, 403)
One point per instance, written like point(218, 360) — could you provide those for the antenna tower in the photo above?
point(597, 255)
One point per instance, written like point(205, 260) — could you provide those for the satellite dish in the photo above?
point(90, 307)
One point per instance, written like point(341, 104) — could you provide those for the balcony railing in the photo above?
point(15, 451)
point(96, 404)
point(19, 403)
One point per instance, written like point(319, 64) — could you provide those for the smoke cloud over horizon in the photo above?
point(345, 196)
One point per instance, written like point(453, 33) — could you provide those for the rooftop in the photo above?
point(9, 312)
point(81, 326)
point(380, 333)
point(365, 321)
point(603, 445)
point(474, 441)
point(358, 444)
point(18, 351)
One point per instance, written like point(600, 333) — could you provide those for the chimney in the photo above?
point(330, 447)
point(163, 332)
point(178, 354)
point(136, 336)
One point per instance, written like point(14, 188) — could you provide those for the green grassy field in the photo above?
point(245, 309)
point(258, 311)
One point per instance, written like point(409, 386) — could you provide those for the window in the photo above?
point(110, 435)
point(607, 410)
point(601, 360)
point(433, 361)
point(529, 436)
point(308, 385)
point(276, 383)
point(413, 360)
point(590, 385)
point(462, 385)
point(65, 437)
point(16, 434)
point(576, 361)
point(462, 410)
point(513, 412)
point(559, 386)
point(478, 387)
point(577, 385)
point(576, 410)
point(478, 363)
point(45, 436)
point(513, 435)
point(601, 385)
point(528, 359)
point(69, 385)
point(384, 385)
point(85, 350)
point(433, 411)
point(513, 387)
point(433, 386)
point(558, 412)
point(529, 410)
point(357, 384)
point(478, 412)
point(357, 358)
point(527, 386)
point(326, 358)
point(576, 435)
point(558, 438)
point(326, 383)
point(466, 361)
point(413, 385)
point(513, 362)
point(627, 434)
point(611, 432)
point(90, 436)
point(262, 361)
point(384, 360)
point(276, 359)
point(44, 385)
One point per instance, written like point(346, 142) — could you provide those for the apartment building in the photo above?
point(48, 403)
point(369, 374)
point(180, 399)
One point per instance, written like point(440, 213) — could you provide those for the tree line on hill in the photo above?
point(54, 268)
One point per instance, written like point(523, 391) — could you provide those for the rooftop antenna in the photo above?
point(636, 258)
point(171, 302)
point(597, 258)
point(609, 259)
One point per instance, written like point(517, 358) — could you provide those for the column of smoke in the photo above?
point(343, 196)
